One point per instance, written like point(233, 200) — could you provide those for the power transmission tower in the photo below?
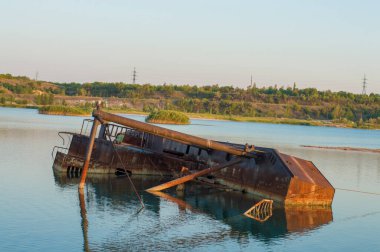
point(134, 75)
point(251, 80)
point(36, 79)
point(364, 85)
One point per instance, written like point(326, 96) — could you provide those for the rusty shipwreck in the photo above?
point(123, 145)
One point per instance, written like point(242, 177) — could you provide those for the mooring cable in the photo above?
point(358, 191)
point(125, 170)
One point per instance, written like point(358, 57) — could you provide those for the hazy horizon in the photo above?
point(322, 44)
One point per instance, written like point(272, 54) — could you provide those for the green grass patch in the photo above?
point(167, 117)
point(64, 110)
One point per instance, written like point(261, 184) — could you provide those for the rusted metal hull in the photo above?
point(271, 174)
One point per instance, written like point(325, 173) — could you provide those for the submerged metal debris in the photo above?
point(261, 211)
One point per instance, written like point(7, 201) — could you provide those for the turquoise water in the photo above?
point(41, 211)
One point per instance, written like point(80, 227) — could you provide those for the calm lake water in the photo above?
point(40, 211)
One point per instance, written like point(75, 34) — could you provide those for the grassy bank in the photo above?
point(291, 121)
point(64, 110)
point(125, 111)
point(167, 117)
point(19, 106)
point(257, 119)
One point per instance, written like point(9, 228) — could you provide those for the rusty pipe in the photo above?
point(90, 146)
point(167, 133)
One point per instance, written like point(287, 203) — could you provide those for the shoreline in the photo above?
point(166, 122)
point(62, 114)
point(213, 117)
point(342, 148)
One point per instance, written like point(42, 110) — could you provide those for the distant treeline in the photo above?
point(273, 101)
point(290, 102)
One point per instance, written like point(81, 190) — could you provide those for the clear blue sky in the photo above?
point(324, 44)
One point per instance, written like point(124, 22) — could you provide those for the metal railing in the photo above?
point(85, 124)
point(261, 211)
point(115, 130)
point(56, 148)
point(66, 141)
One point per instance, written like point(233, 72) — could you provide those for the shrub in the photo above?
point(63, 110)
point(167, 117)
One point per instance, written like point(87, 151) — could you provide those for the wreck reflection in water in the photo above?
point(108, 193)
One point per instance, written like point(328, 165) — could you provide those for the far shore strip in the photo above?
point(343, 148)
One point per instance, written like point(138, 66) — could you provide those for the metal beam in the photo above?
point(170, 134)
point(186, 178)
